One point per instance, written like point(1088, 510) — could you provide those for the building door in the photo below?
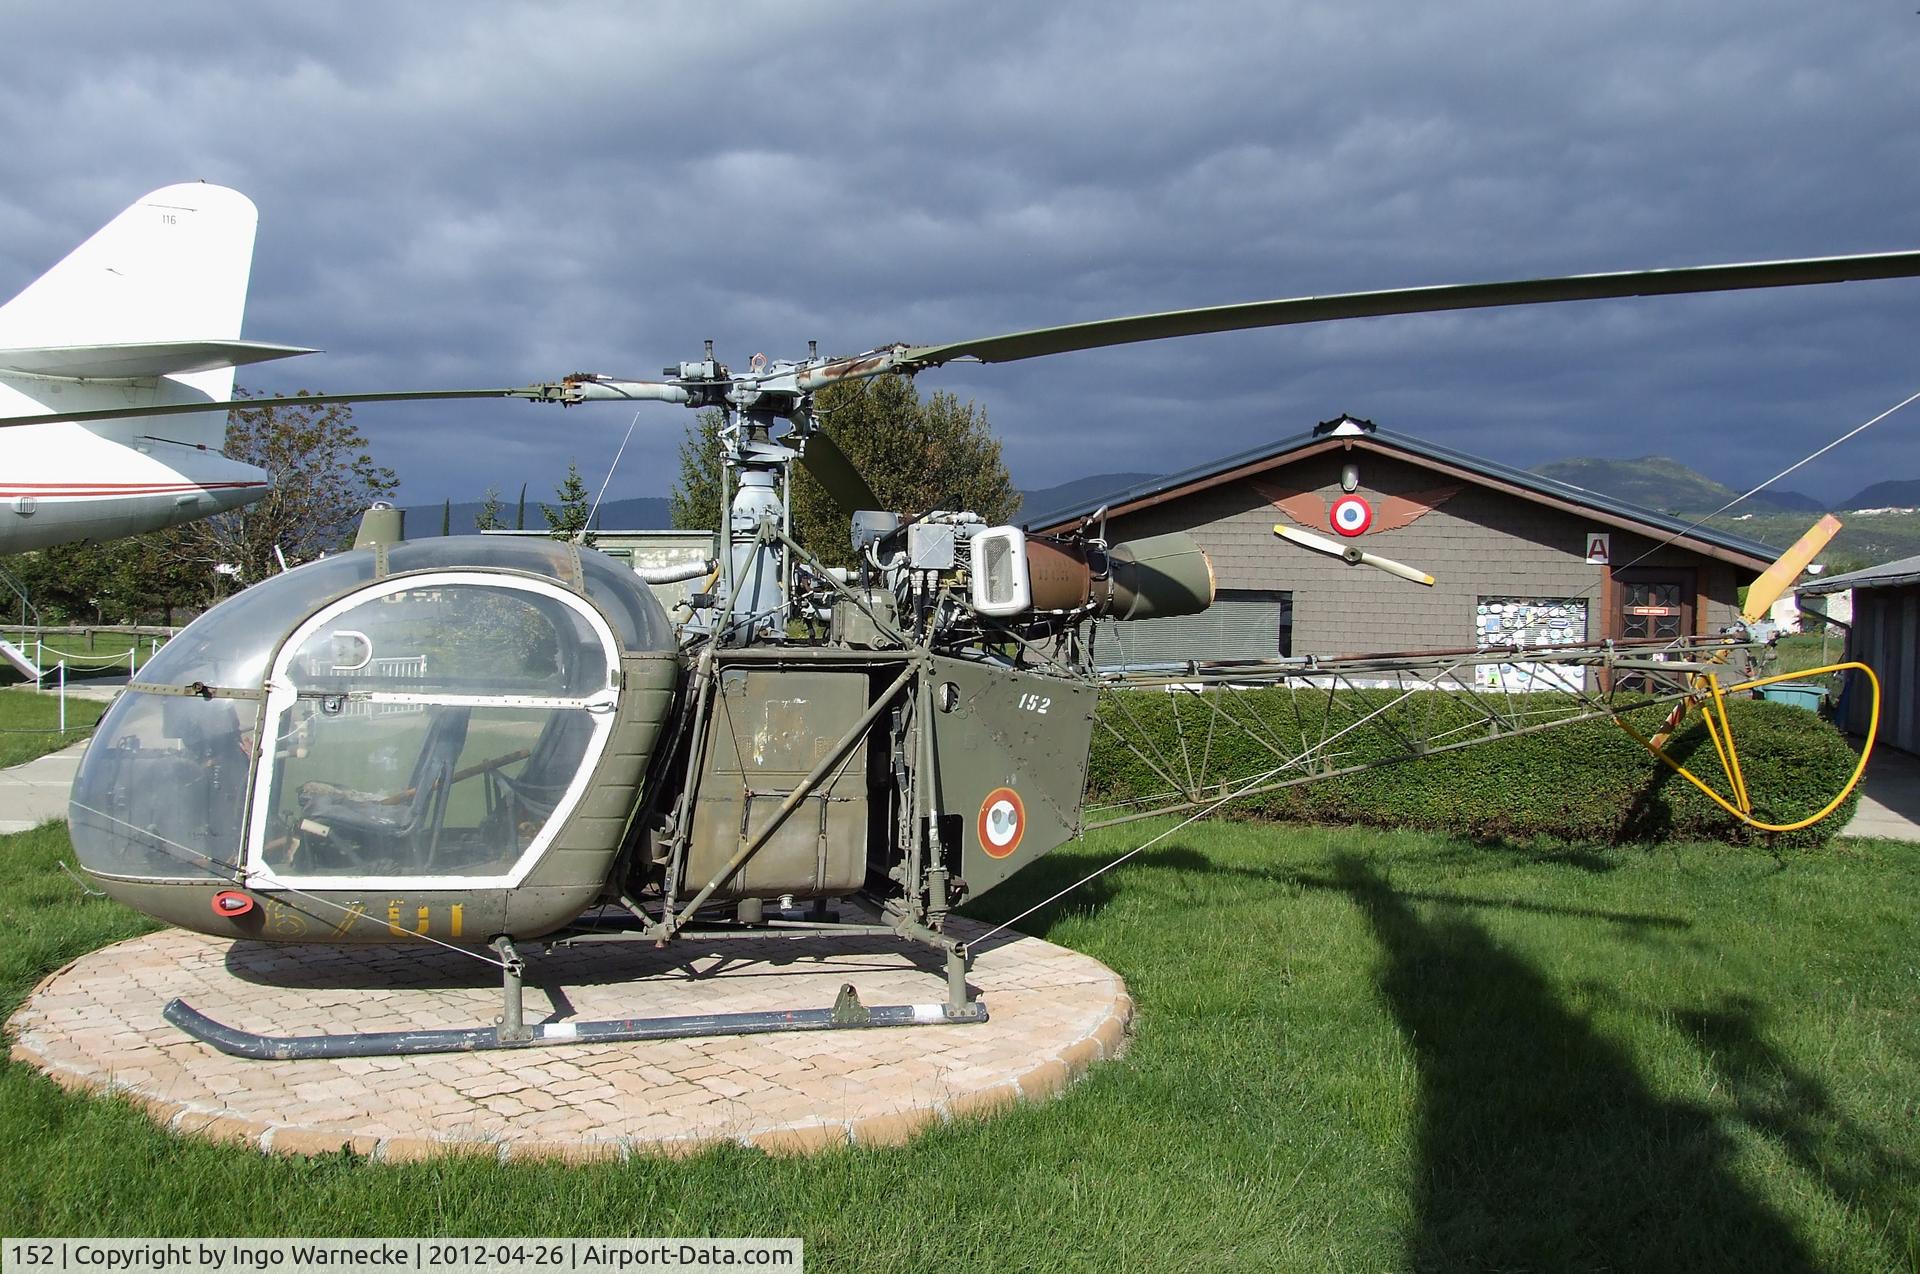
point(1652, 603)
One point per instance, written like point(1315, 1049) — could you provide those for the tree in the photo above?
point(324, 477)
point(520, 513)
point(140, 579)
point(694, 502)
point(568, 520)
point(488, 517)
point(917, 455)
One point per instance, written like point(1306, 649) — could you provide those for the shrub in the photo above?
point(1586, 781)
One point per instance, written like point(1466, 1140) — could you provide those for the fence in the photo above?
point(48, 665)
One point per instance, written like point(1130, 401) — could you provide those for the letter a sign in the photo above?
point(1598, 551)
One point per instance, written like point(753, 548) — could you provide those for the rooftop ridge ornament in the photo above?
point(1343, 426)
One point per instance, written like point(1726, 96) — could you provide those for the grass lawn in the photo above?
point(30, 723)
point(1355, 1050)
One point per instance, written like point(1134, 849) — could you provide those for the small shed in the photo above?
point(640, 549)
point(1885, 636)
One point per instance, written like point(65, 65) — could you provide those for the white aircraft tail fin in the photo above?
point(145, 312)
point(172, 267)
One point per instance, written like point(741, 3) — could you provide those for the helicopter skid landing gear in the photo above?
point(511, 1025)
point(846, 1014)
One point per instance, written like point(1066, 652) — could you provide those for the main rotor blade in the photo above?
point(539, 393)
point(836, 474)
point(1421, 300)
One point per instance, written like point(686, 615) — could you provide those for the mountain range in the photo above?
point(1772, 517)
point(1656, 482)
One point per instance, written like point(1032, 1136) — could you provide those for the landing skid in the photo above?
point(510, 1029)
point(847, 1013)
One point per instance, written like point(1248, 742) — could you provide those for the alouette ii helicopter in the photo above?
point(497, 743)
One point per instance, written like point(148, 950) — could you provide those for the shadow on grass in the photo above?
point(1540, 1145)
point(1049, 876)
point(1794, 1111)
point(1630, 919)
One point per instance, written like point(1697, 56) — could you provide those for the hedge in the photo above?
point(1584, 782)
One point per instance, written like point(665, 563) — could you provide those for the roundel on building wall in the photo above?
point(1002, 822)
point(1351, 515)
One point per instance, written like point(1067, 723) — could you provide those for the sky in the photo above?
point(480, 194)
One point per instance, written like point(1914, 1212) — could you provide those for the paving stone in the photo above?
point(1044, 1080)
point(596, 1150)
point(213, 1127)
point(1079, 1055)
point(95, 1025)
point(307, 1141)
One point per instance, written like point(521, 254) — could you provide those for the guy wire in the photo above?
point(1804, 460)
point(581, 535)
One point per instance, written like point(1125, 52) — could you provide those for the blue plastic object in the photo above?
point(1801, 694)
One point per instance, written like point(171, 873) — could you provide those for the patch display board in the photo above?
point(1529, 622)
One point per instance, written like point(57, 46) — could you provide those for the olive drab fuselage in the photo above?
point(462, 738)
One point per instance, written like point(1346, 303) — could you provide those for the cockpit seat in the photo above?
point(405, 824)
point(525, 801)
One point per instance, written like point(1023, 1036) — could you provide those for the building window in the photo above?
point(1242, 623)
point(1263, 611)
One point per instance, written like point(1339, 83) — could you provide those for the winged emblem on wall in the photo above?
point(1354, 514)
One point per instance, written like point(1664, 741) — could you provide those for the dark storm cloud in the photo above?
point(494, 194)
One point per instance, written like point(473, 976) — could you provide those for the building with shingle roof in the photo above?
point(1513, 553)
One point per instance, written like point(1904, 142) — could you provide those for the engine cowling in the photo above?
point(1152, 578)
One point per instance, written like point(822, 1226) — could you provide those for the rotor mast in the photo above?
point(755, 469)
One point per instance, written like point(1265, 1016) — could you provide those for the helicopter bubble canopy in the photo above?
point(339, 726)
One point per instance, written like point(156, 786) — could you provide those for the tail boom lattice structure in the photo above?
point(1348, 714)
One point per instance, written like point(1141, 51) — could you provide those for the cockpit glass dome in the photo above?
point(637, 616)
point(435, 724)
point(463, 638)
point(162, 791)
point(638, 621)
point(230, 644)
point(430, 728)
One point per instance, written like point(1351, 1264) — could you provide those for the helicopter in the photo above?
point(501, 744)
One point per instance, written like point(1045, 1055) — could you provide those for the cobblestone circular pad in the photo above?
point(96, 1024)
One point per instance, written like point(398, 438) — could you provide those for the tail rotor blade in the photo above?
point(1776, 579)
